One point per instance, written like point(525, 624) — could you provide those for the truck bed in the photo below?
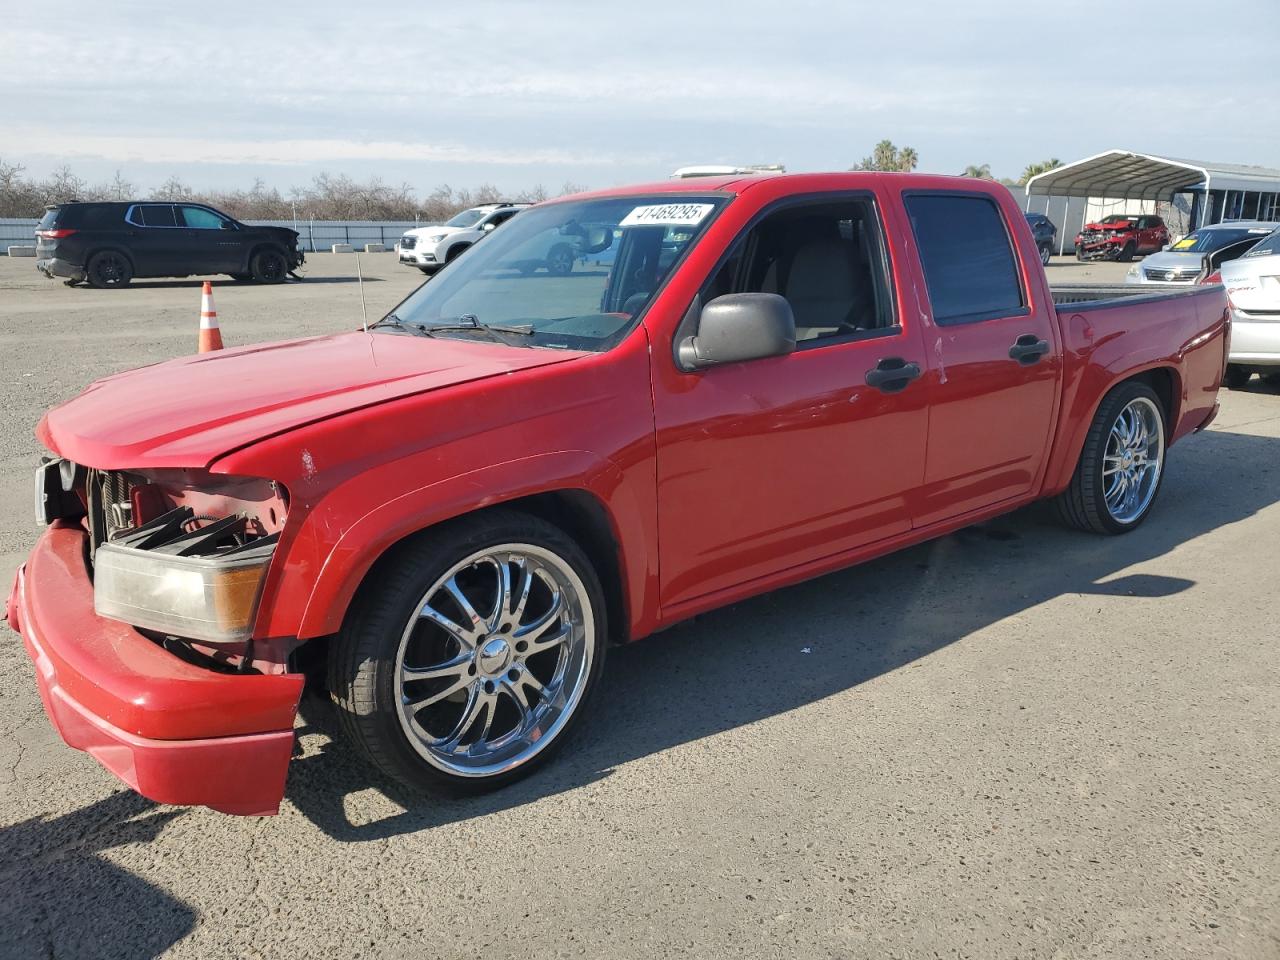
point(1098, 295)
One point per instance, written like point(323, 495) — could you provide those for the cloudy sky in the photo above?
point(601, 93)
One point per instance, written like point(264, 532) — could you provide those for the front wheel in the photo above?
point(269, 266)
point(1236, 376)
point(1121, 466)
point(1046, 253)
point(466, 662)
point(1126, 254)
point(1271, 379)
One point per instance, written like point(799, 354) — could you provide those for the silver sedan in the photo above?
point(1253, 290)
point(1181, 262)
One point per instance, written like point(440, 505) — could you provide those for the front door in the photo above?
point(993, 355)
point(775, 463)
point(214, 243)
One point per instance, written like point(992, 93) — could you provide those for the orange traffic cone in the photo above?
point(210, 335)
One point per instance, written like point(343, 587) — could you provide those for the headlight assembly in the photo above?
point(211, 598)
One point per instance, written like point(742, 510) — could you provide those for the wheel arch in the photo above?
point(1163, 378)
point(602, 516)
point(261, 245)
point(455, 250)
point(111, 248)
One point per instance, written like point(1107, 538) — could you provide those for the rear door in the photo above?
point(157, 242)
point(993, 355)
point(214, 243)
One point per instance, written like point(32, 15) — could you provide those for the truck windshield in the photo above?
point(574, 274)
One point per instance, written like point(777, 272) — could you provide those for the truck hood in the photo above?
point(190, 411)
point(1116, 227)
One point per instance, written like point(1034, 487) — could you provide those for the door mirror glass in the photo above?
point(738, 327)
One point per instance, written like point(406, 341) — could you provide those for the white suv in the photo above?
point(430, 248)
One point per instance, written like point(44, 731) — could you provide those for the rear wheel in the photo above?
point(269, 266)
point(109, 269)
point(466, 664)
point(1236, 376)
point(1121, 466)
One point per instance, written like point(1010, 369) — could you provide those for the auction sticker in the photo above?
point(667, 215)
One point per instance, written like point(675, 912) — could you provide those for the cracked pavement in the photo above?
point(1015, 741)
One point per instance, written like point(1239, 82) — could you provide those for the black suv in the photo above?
point(1046, 234)
point(109, 244)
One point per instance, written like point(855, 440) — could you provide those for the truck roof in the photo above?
point(739, 183)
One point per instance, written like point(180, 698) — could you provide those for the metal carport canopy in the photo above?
point(1139, 176)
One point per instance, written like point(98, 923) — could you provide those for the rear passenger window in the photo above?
point(157, 215)
point(969, 266)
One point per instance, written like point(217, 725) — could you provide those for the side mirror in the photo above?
point(737, 327)
point(488, 227)
point(227, 225)
point(598, 238)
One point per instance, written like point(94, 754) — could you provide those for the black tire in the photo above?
point(1126, 254)
point(427, 270)
point(1080, 254)
point(1271, 379)
point(456, 251)
point(363, 676)
point(560, 260)
point(109, 269)
point(1236, 376)
point(1083, 504)
point(269, 266)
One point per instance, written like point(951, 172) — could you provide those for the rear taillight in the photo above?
point(53, 234)
point(1214, 277)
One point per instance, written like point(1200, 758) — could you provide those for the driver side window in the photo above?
point(826, 259)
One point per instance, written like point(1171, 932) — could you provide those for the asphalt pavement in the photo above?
point(1013, 742)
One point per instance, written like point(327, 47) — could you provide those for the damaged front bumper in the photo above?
point(173, 731)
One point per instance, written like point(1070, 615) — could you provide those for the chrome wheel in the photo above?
point(1133, 460)
point(495, 660)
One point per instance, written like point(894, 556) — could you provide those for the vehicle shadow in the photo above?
point(792, 647)
point(61, 899)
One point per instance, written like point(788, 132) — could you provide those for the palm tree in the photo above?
point(982, 172)
point(887, 157)
point(1034, 169)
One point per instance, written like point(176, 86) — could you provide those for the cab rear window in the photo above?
point(969, 266)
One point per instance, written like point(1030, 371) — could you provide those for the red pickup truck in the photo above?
point(448, 518)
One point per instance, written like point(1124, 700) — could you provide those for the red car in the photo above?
point(448, 519)
point(1121, 237)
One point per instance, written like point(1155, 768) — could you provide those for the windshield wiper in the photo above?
point(470, 321)
point(391, 320)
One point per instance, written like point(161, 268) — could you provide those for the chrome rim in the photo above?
point(1133, 460)
point(495, 660)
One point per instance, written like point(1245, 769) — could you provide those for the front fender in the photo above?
point(348, 559)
